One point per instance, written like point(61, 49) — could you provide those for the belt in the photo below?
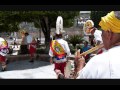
point(60, 61)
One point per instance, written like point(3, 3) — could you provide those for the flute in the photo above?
point(89, 51)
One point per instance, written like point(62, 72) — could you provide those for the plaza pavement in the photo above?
point(23, 69)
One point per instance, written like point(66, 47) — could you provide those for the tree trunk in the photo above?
point(45, 25)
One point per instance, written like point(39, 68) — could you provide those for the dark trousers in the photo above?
point(24, 49)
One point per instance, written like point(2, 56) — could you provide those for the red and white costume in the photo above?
point(31, 45)
point(3, 52)
point(32, 48)
point(59, 49)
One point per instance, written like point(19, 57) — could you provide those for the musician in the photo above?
point(59, 49)
point(3, 53)
point(97, 38)
point(107, 64)
point(97, 34)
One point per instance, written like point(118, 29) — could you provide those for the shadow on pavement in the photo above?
point(25, 64)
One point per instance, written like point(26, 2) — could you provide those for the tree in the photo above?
point(44, 20)
point(96, 16)
point(9, 21)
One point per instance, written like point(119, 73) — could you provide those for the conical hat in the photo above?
point(59, 25)
point(88, 24)
point(22, 31)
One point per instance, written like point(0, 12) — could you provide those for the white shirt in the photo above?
point(14, 39)
point(24, 40)
point(51, 37)
point(103, 66)
point(97, 35)
point(29, 39)
point(64, 45)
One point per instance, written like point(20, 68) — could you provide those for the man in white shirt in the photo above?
point(29, 38)
point(29, 41)
point(107, 64)
point(97, 35)
point(59, 49)
point(97, 38)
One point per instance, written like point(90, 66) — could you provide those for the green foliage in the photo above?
point(75, 39)
point(96, 16)
point(72, 49)
point(78, 46)
point(9, 20)
point(68, 23)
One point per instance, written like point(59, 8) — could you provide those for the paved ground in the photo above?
point(26, 70)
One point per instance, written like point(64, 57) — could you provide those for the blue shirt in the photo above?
point(85, 48)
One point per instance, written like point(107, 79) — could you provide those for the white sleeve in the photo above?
point(97, 36)
point(67, 49)
point(89, 71)
point(50, 53)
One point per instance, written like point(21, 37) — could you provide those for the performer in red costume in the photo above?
point(3, 52)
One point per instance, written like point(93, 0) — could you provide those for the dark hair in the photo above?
point(93, 28)
point(117, 14)
point(91, 40)
point(26, 33)
point(58, 36)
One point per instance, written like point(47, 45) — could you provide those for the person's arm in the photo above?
point(67, 50)
point(80, 65)
point(51, 60)
point(51, 56)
